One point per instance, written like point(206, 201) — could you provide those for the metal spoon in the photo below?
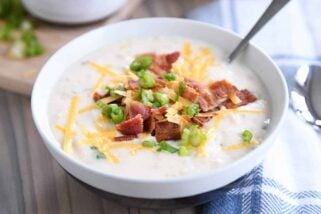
point(306, 94)
point(274, 8)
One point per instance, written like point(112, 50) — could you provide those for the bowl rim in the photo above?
point(50, 145)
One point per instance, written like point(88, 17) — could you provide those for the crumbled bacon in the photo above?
point(125, 138)
point(160, 83)
point(97, 96)
point(190, 93)
point(244, 95)
point(222, 89)
point(135, 108)
point(149, 125)
point(165, 130)
point(159, 114)
point(194, 84)
point(206, 102)
point(133, 84)
point(132, 126)
point(200, 120)
point(162, 63)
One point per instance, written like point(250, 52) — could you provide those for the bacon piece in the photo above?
point(97, 96)
point(194, 84)
point(133, 84)
point(162, 63)
point(159, 114)
point(244, 95)
point(190, 93)
point(206, 102)
point(200, 120)
point(132, 126)
point(135, 108)
point(149, 124)
point(222, 89)
point(165, 130)
point(160, 83)
point(125, 138)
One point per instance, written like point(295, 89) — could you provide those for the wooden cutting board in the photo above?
point(19, 75)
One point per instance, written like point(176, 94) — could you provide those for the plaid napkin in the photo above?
point(289, 179)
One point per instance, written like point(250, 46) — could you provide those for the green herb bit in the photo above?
point(183, 151)
point(99, 154)
point(146, 80)
point(163, 146)
point(192, 110)
point(149, 143)
point(180, 90)
point(33, 47)
point(169, 76)
point(185, 137)
point(247, 136)
point(141, 63)
point(160, 99)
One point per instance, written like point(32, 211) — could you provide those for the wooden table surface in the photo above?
point(31, 181)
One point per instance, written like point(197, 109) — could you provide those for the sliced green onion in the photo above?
point(192, 136)
point(141, 63)
point(163, 146)
point(192, 110)
point(113, 91)
point(146, 80)
point(180, 90)
point(247, 136)
point(169, 76)
point(183, 151)
point(146, 96)
point(113, 111)
point(149, 143)
point(161, 99)
point(34, 48)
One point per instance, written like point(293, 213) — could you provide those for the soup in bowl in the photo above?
point(151, 108)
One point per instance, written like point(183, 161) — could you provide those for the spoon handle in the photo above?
point(274, 8)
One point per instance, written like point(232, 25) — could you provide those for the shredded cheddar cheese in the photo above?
point(87, 108)
point(239, 146)
point(60, 128)
point(103, 70)
point(70, 120)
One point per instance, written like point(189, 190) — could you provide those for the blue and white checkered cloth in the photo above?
point(289, 179)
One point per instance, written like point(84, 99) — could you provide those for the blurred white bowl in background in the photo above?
point(72, 11)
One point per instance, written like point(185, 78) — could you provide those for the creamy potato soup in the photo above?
point(158, 107)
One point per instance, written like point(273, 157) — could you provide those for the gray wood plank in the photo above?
point(11, 200)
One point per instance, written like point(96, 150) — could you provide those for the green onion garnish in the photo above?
point(247, 136)
point(112, 111)
point(141, 63)
point(183, 151)
point(192, 110)
point(146, 80)
point(149, 143)
point(169, 76)
point(180, 90)
point(99, 154)
point(146, 96)
point(160, 99)
point(163, 146)
point(192, 136)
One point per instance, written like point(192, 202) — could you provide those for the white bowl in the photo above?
point(176, 187)
point(72, 11)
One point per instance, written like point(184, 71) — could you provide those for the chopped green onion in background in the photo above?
point(149, 143)
point(146, 80)
point(247, 136)
point(191, 110)
point(141, 63)
point(113, 91)
point(180, 90)
point(169, 76)
point(163, 146)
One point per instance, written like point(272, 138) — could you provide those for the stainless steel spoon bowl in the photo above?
point(306, 94)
